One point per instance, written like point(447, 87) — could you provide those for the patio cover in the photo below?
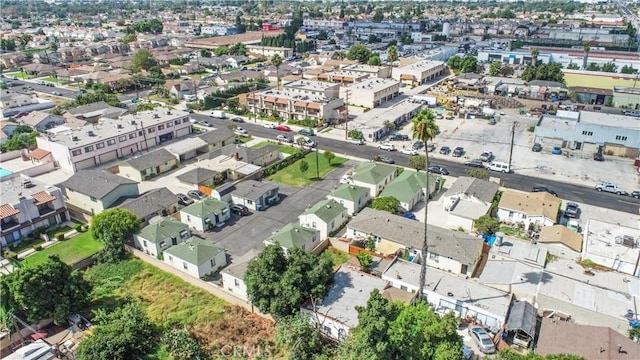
point(522, 317)
point(388, 247)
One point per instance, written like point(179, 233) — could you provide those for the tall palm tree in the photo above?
point(276, 61)
point(585, 47)
point(424, 128)
point(534, 56)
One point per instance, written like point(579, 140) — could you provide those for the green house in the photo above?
point(409, 188)
point(205, 214)
point(374, 176)
point(197, 257)
point(353, 197)
point(154, 238)
point(293, 235)
point(326, 216)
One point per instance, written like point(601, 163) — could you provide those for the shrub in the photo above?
point(37, 247)
point(60, 237)
point(12, 255)
point(78, 227)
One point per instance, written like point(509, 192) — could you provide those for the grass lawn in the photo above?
point(70, 251)
point(326, 130)
point(49, 79)
point(11, 75)
point(243, 139)
point(55, 232)
point(283, 148)
point(337, 257)
point(291, 175)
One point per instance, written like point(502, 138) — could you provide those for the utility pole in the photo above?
point(513, 134)
point(346, 122)
point(317, 163)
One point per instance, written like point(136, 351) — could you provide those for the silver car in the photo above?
point(482, 338)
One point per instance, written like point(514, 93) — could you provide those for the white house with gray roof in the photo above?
point(233, 275)
point(42, 121)
point(326, 215)
point(352, 197)
point(153, 203)
point(197, 257)
point(256, 195)
point(468, 199)
point(90, 192)
point(449, 250)
point(374, 176)
point(148, 165)
point(153, 239)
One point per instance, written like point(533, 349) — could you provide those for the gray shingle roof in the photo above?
point(197, 176)
point(253, 190)
point(151, 202)
point(481, 189)
point(246, 154)
point(100, 105)
point(455, 245)
point(216, 136)
point(152, 159)
point(95, 183)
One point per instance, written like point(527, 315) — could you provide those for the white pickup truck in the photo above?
point(609, 187)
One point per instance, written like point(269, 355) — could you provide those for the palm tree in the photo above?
point(534, 56)
point(276, 61)
point(585, 47)
point(424, 128)
point(392, 54)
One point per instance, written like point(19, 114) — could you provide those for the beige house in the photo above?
point(292, 106)
point(537, 208)
point(148, 165)
point(371, 93)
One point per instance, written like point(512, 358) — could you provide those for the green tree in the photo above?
point(128, 38)
point(486, 224)
point(126, 334)
point(48, 290)
point(628, 69)
point(23, 40)
point(221, 51)
point(586, 47)
point(304, 166)
point(205, 53)
point(374, 60)
point(494, 69)
point(417, 162)
point(276, 61)
point(573, 66)
point(181, 345)
point(329, 156)
point(279, 284)
point(300, 337)
point(356, 134)
point(20, 140)
point(359, 52)
point(392, 54)
point(386, 203)
point(239, 49)
point(143, 60)
point(534, 56)
point(378, 16)
point(365, 259)
point(478, 173)
point(7, 44)
point(113, 228)
point(609, 67)
point(424, 128)
point(594, 67)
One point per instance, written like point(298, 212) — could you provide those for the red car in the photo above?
point(283, 128)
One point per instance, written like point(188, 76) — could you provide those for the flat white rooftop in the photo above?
point(14, 187)
point(374, 84)
point(310, 85)
point(612, 241)
point(610, 120)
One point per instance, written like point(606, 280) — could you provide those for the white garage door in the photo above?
point(183, 132)
point(110, 156)
point(85, 164)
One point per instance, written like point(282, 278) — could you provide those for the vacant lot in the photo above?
point(70, 251)
point(283, 148)
point(318, 165)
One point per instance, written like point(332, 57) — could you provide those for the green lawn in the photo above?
point(291, 175)
point(326, 130)
point(337, 257)
point(49, 79)
point(13, 74)
point(243, 139)
point(70, 251)
point(283, 148)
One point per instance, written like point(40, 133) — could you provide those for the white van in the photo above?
point(499, 166)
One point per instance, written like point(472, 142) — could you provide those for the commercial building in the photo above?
point(372, 122)
point(313, 88)
point(419, 72)
point(292, 106)
point(28, 205)
point(269, 51)
point(371, 93)
point(110, 139)
point(516, 57)
point(382, 72)
point(342, 77)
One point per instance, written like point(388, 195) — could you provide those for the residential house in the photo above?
point(613, 246)
point(353, 197)
point(537, 209)
point(585, 341)
point(37, 350)
point(449, 250)
point(181, 88)
point(90, 192)
point(448, 292)
point(28, 205)
point(8, 128)
point(218, 138)
point(148, 165)
point(42, 121)
point(561, 238)
point(96, 144)
point(11, 99)
point(153, 203)
point(468, 199)
point(410, 187)
point(326, 215)
point(239, 77)
point(197, 257)
point(371, 92)
point(262, 156)
point(256, 195)
point(203, 215)
point(293, 235)
point(197, 176)
point(374, 176)
point(92, 112)
point(336, 314)
point(155, 238)
point(233, 275)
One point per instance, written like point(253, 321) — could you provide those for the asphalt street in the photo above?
point(567, 191)
point(66, 93)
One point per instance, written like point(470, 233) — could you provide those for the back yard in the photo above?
point(70, 251)
point(317, 165)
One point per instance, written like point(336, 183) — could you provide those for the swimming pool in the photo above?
point(5, 172)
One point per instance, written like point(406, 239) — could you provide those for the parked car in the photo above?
point(204, 123)
point(477, 163)
point(439, 116)
point(431, 147)
point(458, 152)
point(240, 210)
point(557, 150)
point(609, 187)
point(306, 132)
point(572, 210)
point(184, 199)
point(56, 93)
point(387, 160)
point(417, 145)
point(435, 169)
point(408, 152)
point(636, 194)
point(537, 147)
point(544, 189)
point(445, 150)
point(482, 339)
point(237, 119)
point(196, 195)
point(387, 146)
point(269, 125)
point(398, 137)
point(282, 128)
point(241, 131)
point(285, 138)
point(598, 157)
point(355, 141)
point(409, 215)
point(21, 114)
point(486, 156)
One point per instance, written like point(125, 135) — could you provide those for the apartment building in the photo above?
point(324, 24)
point(342, 77)
point(314, 88)
point(110, 139)
point(288, 105)
point(382, 72)
point(371, 93)
point(28, 205)
point(419, 72)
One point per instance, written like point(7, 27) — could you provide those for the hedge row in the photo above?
point(268, 171)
